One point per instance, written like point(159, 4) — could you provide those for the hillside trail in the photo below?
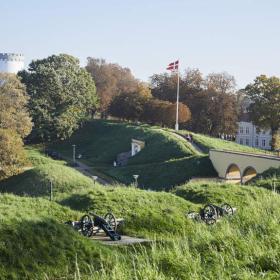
point(194, 146)
point(85, 170)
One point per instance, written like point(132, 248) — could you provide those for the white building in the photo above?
point(250, 135)
point(11, 62)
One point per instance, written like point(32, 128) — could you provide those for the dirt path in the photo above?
point(85, 169)
point(195, 147)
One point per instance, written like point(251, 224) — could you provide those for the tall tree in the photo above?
point(111, 79)
point(15, 124)
point(214, 113)
point(264, 110)
point(223, 83)
point(128, 105)
point(61, 96)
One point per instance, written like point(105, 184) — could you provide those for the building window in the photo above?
point(263, 142)
point(247, 141)
point(247, 130)
point(241, 141)
point(241, 129)
point(256, 142)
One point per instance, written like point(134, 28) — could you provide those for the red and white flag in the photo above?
point(173, 66)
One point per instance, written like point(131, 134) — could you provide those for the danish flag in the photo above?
point(173, 65)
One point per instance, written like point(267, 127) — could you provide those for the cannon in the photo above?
point(91, 224)
point(210, 213)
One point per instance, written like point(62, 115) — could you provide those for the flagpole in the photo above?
point(177, 105)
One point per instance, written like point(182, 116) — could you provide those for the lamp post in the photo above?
point(94, 178)
point(74, 154)
point(136, 180)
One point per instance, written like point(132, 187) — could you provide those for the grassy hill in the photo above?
point(246, 246)
point(206, 143)
point(166, 161)
point(35, 244)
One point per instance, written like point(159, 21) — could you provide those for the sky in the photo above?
point(241, 37)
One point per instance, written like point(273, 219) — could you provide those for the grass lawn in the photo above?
point(166, 161)
point(206, 143)
point(34, 243)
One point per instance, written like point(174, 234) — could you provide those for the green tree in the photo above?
point(264, 110)
point(15, 124)
point(128, 106)
point(214, 113)
point(61, 96)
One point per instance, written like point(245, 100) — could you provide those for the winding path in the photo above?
point(195, 147)
point(85, 170)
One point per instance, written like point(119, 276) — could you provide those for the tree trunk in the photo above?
point(275, 142)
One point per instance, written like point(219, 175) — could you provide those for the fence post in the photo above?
point(51, 190)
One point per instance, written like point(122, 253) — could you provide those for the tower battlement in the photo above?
point(11, 62)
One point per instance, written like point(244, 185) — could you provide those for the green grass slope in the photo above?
point(164, 156)
point(35, 244)
point(206, 143)
point(269, 179)
point(245, 246)
point(72, 189)
point(36, 180)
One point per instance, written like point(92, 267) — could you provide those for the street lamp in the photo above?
point(94, 178)
point(136, 180)
point(74, 154)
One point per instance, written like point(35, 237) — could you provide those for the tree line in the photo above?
point(55, 96)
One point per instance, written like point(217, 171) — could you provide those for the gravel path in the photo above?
point(85, 169)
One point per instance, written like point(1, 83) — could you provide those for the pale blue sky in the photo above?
point(241, 37)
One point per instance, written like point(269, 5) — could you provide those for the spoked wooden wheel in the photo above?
point(111, 220)
point(87, 225)
point(209, 214)
point(227, 209)
point(194, 215)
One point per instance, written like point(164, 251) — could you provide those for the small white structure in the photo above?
point(11, 62)
point(136, 146)
point(248, 134)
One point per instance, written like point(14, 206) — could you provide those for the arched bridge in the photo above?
point(241, 167)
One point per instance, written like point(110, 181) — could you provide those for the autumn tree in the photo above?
point(264, 110)
point(61, 96)
point(211, 100)
point(222, 83)
point(15, 124)
point(110, 79)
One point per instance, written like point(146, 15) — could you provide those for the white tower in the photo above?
point(11, 62)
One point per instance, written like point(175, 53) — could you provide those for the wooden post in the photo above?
point(51, 190)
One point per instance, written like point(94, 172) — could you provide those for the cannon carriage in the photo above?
point(91, 224)
point(211, 213)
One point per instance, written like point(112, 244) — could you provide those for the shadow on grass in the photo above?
point(34, 249)
point(78, 202)
point(28, 183)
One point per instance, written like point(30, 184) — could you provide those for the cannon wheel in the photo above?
point(210, 214)
point(227, 209)
point(194, 215)
point(111, 220)
point(87, 225)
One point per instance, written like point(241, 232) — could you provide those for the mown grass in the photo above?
point(269, 179)
point(164, 156)
point(206, 143)
point(34, 243)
